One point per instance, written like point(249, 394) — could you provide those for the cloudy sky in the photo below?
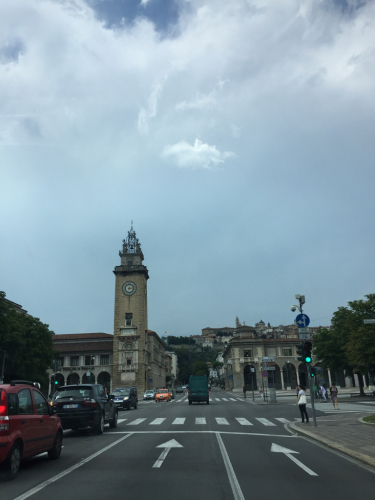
point(238, 136)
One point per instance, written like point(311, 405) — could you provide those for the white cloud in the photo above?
point(146, 114)
point(198, 155)
point(200, 101)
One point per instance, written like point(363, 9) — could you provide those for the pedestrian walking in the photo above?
point(334, 393)
point(301, 402)
point(261, 393)
point(324, 392)
point(244, 391)
point(297, 391)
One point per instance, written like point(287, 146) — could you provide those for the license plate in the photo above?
point(70, 406)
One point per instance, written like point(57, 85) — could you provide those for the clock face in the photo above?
point(129, 288)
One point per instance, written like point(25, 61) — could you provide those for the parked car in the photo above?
point(28, 426)
point(184, 386)
point(125, 397)
point(198, 389)
point(163, 395)
point(85, 405)
point(179, 389)
point(148, 395)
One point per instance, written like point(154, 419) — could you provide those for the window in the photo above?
point(128, 319)
point(59, 362)
point(287, 352)
point(248, 353)
point(130, 262)
point(74, 360)
point(128, 361)
point(12, 404)
point(104, 359)
point(25, 404)
point(41, 403)
point(89, 360)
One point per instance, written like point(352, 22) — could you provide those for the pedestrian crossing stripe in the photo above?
point(203, 421)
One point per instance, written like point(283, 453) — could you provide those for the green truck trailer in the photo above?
point(198, 390)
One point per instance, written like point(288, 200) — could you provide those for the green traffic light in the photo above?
point(56, 382)
point(308, 359)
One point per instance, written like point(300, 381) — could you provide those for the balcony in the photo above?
point(128, 368)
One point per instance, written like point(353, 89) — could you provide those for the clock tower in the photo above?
point(130, 343)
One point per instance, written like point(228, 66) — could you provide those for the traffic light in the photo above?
point(308, 349)
point(314, 372)
point(301, 351)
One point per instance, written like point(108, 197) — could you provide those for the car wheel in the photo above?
point(55, 451)
point(100, 425)
point(190, 402)
point(113, 423)
point(136, 405)
point(208, 402)
point(12, 462)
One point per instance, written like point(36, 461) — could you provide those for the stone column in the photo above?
point(364, 381)
point(282, 380)
point(356, 380)
point(297, 373)
point(329, 377)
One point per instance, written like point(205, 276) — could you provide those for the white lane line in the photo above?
point(264, 421)
point(236, 489)
point(300, 464)
point(282, 420)
point(222, 421)
point(232, 399)
point(71, 469)
point(137, 421)
point(243, 421)
point(200, 420)
point(178, 421)
point(121, 420)
point(157, 421)
point(217, 399)
point(224, 399)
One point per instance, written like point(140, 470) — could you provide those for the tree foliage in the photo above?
point(172, 340)
point(193, 363)
point(350, 344)
point(28, 343)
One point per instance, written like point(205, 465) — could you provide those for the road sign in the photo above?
point(230, 377)
point(268, 358)
point(304, 330)
point(369, 321)
point(150, 379)
point(302, 321)
point(269, 365)
point(264, 374)
point(252, 370)
point(304, 336)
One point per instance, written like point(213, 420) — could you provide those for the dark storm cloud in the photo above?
point(162, 13)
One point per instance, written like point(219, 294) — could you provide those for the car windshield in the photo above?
point(149, 392)
point(163, 391)
point(72, 392)
point(121, 392)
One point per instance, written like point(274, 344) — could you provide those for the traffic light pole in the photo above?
point(312, 393)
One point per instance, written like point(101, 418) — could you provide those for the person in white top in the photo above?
point(324, 392)
point(301, 402)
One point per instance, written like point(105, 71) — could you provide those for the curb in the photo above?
point(360, 420)
point(333, 444)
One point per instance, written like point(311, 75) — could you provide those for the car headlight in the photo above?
point(126, 398)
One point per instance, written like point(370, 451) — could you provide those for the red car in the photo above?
point(28, 426)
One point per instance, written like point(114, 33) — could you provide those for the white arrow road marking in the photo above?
point(167, 447)
point(280, 449)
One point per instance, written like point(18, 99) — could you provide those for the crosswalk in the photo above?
point(199, 421)
point(185, 400)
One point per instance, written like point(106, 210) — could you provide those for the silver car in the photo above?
point(149, 395)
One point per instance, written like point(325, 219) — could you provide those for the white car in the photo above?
point(184, 386)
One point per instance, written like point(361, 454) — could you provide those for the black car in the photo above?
point(125, 397)
point(84, 405)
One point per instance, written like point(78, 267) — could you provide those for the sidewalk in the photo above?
point(344, 433)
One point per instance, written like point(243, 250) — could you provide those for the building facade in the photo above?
point(84, 358)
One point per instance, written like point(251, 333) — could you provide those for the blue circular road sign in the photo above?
point(302, 321)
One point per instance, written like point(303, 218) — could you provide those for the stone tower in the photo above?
point(130, 343)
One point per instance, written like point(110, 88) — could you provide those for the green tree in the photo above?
point(28, 343)
point(349, 345)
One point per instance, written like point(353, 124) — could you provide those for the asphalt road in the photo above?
point(229, 449)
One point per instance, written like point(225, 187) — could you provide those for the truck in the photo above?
point(198, 389)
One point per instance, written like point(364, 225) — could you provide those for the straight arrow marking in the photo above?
point(160, 460)
point(280, 449)
point(172, 443)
